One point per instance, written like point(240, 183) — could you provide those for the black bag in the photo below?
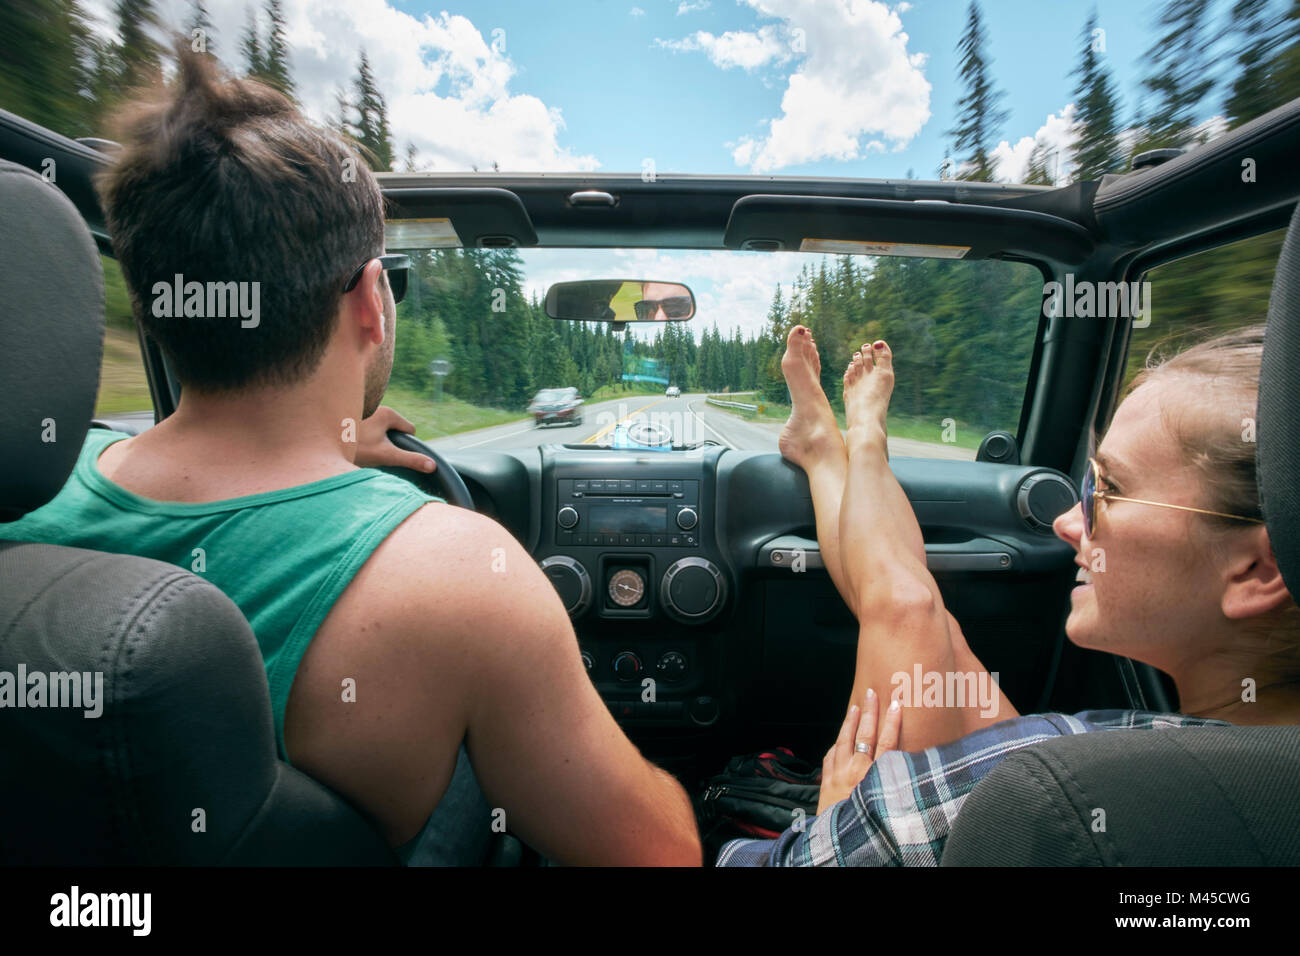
point(758, 795)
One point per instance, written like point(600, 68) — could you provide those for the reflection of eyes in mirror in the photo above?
point(661, 301)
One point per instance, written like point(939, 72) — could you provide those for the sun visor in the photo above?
point(427, 218)
point(908, 228)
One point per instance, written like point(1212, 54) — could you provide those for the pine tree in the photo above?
point(979, 117)
point(1284, 68)
point(371, 130)
point(251, 47)
point(1180, 77)
point(138, 52)
point(200, 21)
point(1096, 123)
point(1253, 93)
point(1038, 173)
point(276, 59)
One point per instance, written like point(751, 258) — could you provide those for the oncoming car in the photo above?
point(557, 406)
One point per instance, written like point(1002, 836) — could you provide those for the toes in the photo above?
point(792, 340)
point(884, 358)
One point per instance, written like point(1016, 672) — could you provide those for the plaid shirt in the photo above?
point(901, 812)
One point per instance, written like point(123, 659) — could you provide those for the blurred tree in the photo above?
point(1038, 173)
point(199, 20)
point(1254, 92)
point(276, 51)
point(370, 129)
point(1180, 76)
point(979, 117)
point(251, 47)
point(1096, 148)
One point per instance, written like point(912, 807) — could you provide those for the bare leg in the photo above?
point(902, 620)
point(811, 439)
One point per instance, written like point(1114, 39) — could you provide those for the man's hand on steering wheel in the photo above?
point(374, 450)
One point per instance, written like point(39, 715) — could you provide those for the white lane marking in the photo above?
point(496, 437)
point(700, 418)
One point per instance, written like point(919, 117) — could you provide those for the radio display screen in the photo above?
point(609, 518)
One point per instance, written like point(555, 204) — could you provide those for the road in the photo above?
point(689, 418)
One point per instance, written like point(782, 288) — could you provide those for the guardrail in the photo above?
point(746, 406)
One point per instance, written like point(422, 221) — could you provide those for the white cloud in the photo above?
point(636, 12)
point(736, 48)
point(446, 81)
point(1057, 136)
point(901, 8)
point(689, 6)
point(856, 79)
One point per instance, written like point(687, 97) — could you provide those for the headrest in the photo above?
point(52, 330)
point(1278, 428)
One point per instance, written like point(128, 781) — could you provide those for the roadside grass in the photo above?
point(448, 417)
point(607, 392)
point(123, 386)
point(900, 426)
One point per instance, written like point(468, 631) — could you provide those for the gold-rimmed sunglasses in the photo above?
point(1089, 494)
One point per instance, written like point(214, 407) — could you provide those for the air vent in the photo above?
point(1042, 498)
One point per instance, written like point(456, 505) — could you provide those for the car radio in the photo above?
point(628, 512)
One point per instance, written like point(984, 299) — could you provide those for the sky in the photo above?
point(842, 88)
point(859, 88)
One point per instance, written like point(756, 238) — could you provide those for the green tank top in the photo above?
point(283, 557)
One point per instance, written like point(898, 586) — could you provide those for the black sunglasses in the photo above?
point(395, 265)
point(675, 307)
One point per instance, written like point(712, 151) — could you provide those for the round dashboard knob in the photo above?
point(687, 519)
point(571, 582)
point(627, 666)
point(567, 517)
point(1042, 498)
point(692, 590)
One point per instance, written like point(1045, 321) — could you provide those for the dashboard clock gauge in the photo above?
point(626, 588)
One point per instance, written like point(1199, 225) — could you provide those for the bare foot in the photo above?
point(868, 384)
point(811, 430)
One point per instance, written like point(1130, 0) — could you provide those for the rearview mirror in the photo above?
point(620, 300)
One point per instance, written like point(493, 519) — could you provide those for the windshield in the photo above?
point(476, 355)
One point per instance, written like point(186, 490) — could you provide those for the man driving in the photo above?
point(394, 627)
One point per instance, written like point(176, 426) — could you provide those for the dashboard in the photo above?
point(697, 590)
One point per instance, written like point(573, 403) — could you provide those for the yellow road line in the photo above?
point(609, 428)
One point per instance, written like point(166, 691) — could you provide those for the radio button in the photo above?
point(629, 539)
point(643, 539)
point(674, 486)
point(626, 484)
point(643, 484)
point(657, 540)
point(687, 519)
point(674, 540)
point(580, 484)
point(596, 484)
point(579, 539)
point(567, 517)
point(659, 484)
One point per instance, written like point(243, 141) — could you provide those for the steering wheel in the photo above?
point(445, 482)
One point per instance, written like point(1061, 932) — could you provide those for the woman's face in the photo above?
point(1153, 589)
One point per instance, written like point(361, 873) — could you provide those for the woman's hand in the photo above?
point(374, 450)
point(857, 747)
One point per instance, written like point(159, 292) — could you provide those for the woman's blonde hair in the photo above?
point(1215, 430)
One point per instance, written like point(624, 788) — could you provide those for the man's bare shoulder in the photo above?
point(444, 557)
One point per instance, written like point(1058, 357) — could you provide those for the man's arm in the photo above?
point(544, 746)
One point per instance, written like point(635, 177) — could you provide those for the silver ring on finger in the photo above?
point(862, 748)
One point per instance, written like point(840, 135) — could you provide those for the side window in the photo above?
point(1211, 292)
point(123, 385)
